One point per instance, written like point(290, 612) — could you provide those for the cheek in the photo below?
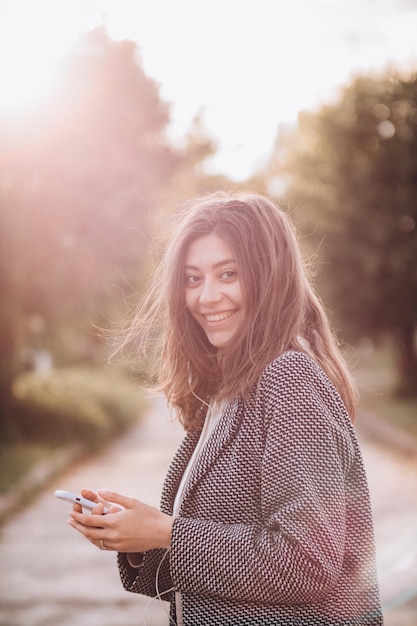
point(189, 299)
point(238, 295)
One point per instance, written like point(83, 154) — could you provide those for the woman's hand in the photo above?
point(136, 527)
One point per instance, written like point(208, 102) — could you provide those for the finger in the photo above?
point(114, 509)
point(98, 510)
point(94, 534)
point(90, 520)
point(102, 545)
point(112, 496)
point(90, 495)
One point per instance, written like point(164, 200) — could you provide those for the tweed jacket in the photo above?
point(275, 525)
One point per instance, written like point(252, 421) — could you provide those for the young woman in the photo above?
point(265, 514)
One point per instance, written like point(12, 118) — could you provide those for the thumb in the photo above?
point(112, 496)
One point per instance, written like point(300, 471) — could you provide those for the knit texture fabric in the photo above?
point(275, 525)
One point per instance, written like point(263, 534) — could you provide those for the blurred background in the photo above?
point(113, 112)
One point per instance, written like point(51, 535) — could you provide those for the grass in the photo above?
point(17, 459)
point(377, 378)
point(374, 371)
point(89, 406)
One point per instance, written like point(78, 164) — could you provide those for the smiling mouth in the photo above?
point(219, 317)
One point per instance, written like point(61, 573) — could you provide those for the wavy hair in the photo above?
point(282, 311)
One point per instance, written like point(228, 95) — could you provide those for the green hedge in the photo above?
point(74, 404)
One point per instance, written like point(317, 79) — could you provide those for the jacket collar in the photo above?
point(221, 437)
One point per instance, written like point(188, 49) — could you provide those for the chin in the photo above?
point(220, 342)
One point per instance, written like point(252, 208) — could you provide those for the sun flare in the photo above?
point(34, 37)
point(294, 57)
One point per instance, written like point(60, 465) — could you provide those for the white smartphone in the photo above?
point(68, 496)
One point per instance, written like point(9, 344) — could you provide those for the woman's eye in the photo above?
point(229, 274)
point(192, 280)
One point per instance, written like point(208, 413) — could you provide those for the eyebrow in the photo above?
point(215, 266)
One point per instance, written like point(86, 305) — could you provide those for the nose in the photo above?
point(210, 292)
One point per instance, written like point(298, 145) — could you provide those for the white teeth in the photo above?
point(218, 317)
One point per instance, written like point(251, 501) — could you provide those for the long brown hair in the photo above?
point(282, 311)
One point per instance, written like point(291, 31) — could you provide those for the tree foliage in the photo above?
point(353, 172)
point(81, 179)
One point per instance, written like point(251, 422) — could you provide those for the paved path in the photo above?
point(51, 576)
point(393, 483)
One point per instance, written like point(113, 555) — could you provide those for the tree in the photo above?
point(81, 179)
point(353, 171)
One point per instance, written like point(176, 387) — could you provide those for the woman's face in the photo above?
point(213, 291)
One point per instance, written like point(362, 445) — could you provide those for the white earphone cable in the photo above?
point(159, 594)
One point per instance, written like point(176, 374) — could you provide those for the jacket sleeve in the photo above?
point(294, 552)
point(152, 576)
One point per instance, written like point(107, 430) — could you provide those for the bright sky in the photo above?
point(246, 65)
